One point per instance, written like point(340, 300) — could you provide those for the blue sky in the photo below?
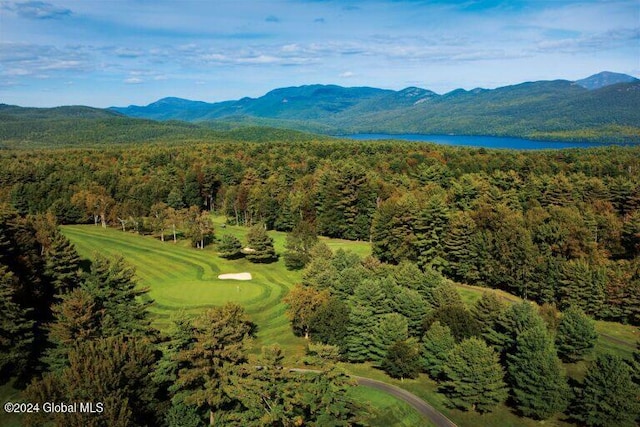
point(104, 53)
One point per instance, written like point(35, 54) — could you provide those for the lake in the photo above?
point(480, 141)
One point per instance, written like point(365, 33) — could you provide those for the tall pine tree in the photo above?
point(608, 396)
point(538, 386)
point(576, 335)
point(474, 378)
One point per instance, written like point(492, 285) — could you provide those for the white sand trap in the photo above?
point(235, 276)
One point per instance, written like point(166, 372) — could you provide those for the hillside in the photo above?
point(604, 106)
point(64, 126)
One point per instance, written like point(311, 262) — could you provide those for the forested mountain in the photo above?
point(27, 127)
point(603, 106)
point(605, 78)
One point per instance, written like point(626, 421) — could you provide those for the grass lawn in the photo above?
point(424, 387)
point(184, 279)
point(386, 410)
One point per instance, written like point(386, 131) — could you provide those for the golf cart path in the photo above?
point(426, 410)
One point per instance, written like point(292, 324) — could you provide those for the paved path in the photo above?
point(426, 410)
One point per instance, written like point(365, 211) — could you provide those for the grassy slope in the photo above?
point(386, 410)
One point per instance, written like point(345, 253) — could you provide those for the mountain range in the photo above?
point(605, 105)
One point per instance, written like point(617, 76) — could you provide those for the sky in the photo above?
point(118, 53)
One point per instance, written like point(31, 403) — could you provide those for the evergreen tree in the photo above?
point(267, 395)
point(320, 274)
point(411, 305)
point(538, 386)
point(230, 247)
point(76, 320)
point(181, 415)
point(458, 248)
point(372, 293)
point(330, 322)
point(112, 285)
point(16, 328)
point(576, 335)
point(510, 324)
point(359, 331)
point(630, 238)
point(444, 294)
point(487, 310)
point(327, 401)
point(608, 396)
point(390, 328)
point(429, 230)
point(459, 320)
point(408, 274)
point(437, 343)
point(473, 377)
point(62, 264)
point(218, 350)
point(260, 245)
point(582, 285)
point(116, 369)
point(635, 365)
point(402, 359)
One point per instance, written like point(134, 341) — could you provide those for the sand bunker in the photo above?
point(235, 276)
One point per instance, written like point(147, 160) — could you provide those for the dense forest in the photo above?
point(560, 228)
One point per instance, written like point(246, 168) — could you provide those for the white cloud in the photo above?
point(37, 10)
point(133, 81)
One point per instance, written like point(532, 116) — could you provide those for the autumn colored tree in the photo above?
point(304, 303)
point(217, 352)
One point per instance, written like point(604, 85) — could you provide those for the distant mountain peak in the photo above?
point(603, 79)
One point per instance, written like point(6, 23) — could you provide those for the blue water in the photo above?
point(479, 141)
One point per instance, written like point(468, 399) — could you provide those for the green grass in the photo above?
point(386, 410)
point(362, 249)
point(426, 388)
point(9, 394)
point(183, 279)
